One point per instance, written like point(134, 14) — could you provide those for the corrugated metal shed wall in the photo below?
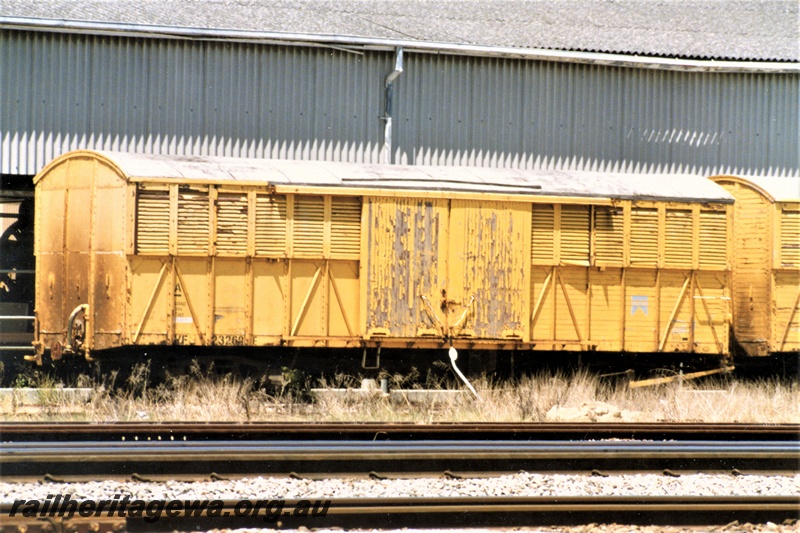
point(471, 111)
point(66, 91)
point(62, 92)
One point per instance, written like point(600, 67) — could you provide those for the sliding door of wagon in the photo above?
point(489, 286)
point(405, 271)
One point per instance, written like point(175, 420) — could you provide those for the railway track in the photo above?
point(122, 450)
point(65, 431)
point(75, 460)
point(156, 452)
point(397, 513)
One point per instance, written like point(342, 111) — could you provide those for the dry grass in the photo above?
point(206, 396)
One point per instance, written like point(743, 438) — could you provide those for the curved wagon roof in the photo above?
point(275, 172)
point(776, 188)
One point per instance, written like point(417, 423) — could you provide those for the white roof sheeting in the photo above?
point(668, 187)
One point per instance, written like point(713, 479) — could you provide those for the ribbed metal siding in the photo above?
point(63, 92)
point(530, 114)
point(66, 91)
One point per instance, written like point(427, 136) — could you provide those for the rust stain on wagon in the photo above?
point(487, 264)
point(403, 263)
point(446, 252)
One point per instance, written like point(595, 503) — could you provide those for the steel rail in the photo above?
point(395, 513)
point(361, 457)
point(65, 431)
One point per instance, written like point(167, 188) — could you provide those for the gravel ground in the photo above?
point(522, 484)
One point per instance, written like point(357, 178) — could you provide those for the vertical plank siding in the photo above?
point(766, 268)
point(790, 235)
point(270, 225)
point(222, 263)
point(644, 237)
point(406, 267)
point(627, 299)
point(232, 230)
point(457, 268)
point(306, 289)
point(488, 269)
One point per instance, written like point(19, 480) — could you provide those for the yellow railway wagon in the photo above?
point(141, 250)
point(766, 263)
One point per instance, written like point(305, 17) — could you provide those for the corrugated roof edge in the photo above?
point(357, 44)
point(688, 188)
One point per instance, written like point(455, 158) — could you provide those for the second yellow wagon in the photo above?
point(766, 265)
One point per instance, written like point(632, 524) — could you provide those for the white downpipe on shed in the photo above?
point(387, 107)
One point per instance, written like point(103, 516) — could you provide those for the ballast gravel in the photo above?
point(521, 484)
